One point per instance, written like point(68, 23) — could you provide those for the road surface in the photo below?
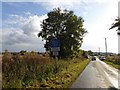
point(97, 75)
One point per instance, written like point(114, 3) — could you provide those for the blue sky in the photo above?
point(21, 23)
point(21, 7)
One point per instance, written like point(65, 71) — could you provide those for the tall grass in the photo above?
point(30, 70)
point(33, 70)
point(114, 61)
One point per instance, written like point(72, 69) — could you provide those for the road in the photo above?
point(97, 75)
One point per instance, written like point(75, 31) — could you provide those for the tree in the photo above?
point(116, 24)
point(65, 26)
point(22, 52)
point(90, 52)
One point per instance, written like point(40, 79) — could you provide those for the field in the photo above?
point(33, 70)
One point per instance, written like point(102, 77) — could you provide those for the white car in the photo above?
point(102, 58)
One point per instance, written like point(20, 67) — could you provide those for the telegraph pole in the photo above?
point(106, 45)
point(99, 50)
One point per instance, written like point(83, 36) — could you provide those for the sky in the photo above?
point(21, 21)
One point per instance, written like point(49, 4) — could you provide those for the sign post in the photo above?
point(55, 45)
point(55, 48)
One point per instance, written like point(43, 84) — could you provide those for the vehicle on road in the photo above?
point(93, 58)
point(85, 56)
point(100, 76)
point(102, 58)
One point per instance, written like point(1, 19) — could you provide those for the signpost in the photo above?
point(55, 48)
point(55, 43)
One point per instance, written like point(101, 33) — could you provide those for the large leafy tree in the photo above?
point(65, 26)
point(116, 24)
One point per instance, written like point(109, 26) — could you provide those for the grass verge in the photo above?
point(112, 64)
point(66, 77)
point(35, 71)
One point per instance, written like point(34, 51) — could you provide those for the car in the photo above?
point(93, 58)
point(102, 58)
point(85, 56)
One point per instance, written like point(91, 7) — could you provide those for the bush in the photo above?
point(114, 59)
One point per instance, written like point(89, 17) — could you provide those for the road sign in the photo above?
point(55, 43)
point(55, 53)
point(55, 46)
point(54, 49)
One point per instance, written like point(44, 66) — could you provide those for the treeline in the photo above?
point(22, 52)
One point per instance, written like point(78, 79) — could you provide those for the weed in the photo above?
point(33, 70)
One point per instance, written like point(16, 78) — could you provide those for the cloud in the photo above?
point(29, 24)
point(32, 25)
point(98, 28)
point(69, 4)
point(28, 13)
point(20, 32)
point(99, 1)
point(13, 36)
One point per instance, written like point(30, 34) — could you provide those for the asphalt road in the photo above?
point(97, 75)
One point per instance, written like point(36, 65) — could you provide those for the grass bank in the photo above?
point(113, 60)
point(117, 66)
point(36, 71)
point(66, 77)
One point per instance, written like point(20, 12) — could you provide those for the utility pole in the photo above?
point(106, 45)
point(99, 50)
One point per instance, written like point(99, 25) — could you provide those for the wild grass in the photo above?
point(114, 61)
point(33, 70)
point(114, 65)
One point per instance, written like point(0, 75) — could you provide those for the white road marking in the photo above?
point(108, 67)
point(112, 80)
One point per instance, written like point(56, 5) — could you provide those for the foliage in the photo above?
point(22, 52)
point(90, 52)
point(33, 70)
point(65, 26)
point(113, 60)
point(113, 64)
point(116, 24)
point(25, 68)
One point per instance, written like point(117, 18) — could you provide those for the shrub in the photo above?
point(114, 59)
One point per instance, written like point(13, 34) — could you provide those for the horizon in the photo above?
point(45, 52)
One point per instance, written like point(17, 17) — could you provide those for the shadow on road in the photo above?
point(112, 88)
